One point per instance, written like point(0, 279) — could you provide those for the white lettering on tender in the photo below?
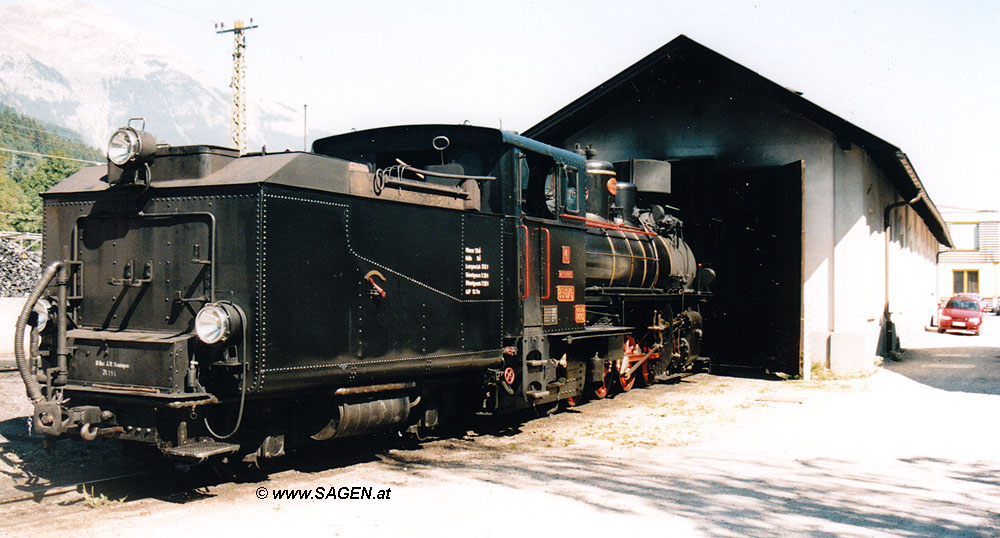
point(477, 275)
point(111, 364)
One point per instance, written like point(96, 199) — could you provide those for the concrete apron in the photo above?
point(10, 308)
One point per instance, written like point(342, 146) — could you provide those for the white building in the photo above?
point(820, 232)
point(972, 265)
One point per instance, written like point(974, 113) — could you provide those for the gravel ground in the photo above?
point(900, 453)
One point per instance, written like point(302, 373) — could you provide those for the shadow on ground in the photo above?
point(958, 369)
point(732, 496)
point(26, 467)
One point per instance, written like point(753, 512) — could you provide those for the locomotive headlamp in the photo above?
point(130, 152)
point(130, 145)
point(218, 322)
point(40, 314)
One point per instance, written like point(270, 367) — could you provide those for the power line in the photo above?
point(72, 138)
point(68, 145)
point(33, 154)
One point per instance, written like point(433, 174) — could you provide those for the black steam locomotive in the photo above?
point(213, 303)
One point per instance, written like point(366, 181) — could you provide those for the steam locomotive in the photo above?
point(216, 304)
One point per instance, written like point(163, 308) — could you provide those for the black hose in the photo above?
point(239, 418)
point(243, 389)
point(31, 385)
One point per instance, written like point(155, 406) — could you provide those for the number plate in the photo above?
point(565, 294)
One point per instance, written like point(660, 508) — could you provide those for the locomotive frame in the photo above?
point(217, 304)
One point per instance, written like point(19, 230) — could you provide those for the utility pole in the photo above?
point(238, 84)
point(305, 130)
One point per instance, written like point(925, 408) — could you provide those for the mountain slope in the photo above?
point(96, 72)
point(23, 176)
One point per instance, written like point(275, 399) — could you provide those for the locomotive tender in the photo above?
point(211, 303)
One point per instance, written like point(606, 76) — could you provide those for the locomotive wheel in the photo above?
point(688, 340)
point(633, 351)
point(643, 375)
point(625, 382)
point(601, 391)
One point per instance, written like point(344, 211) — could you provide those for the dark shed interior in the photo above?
point(746, 223)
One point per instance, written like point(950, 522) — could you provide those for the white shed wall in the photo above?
point(844, 196)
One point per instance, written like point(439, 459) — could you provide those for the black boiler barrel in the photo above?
point(618, 257)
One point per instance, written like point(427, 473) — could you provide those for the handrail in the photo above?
point(608, 225)
point(548, 264)
point(444, 175)
point(527, 261)
point(428, 187)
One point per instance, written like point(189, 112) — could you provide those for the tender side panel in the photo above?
point(358, 291)
point(308, 280)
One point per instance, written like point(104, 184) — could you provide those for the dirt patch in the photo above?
point(26, 467)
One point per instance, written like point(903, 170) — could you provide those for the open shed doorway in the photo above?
point(746, 223)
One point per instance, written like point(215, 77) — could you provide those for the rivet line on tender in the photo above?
point(262, 312)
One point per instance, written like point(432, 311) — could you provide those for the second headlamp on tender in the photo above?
point(218, 322)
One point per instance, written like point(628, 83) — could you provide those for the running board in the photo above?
point(200, 450)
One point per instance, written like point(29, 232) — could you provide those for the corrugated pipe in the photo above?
point(23, 367)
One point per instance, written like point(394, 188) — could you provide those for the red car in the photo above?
point(961, 313)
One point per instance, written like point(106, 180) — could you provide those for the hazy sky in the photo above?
point(922, 75)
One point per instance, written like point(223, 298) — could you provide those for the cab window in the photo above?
point(571, 190)
point(539, 181)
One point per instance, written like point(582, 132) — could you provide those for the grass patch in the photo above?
point(97, 501)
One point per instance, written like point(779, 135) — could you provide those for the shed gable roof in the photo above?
point(684, 54)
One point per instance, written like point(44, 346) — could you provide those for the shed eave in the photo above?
point(924, 206)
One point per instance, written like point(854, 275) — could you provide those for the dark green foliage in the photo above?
point(23, 177)
point(22, 133)
point(14, 205)
point(44, 176)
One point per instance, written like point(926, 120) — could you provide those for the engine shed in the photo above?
point(822, 234)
